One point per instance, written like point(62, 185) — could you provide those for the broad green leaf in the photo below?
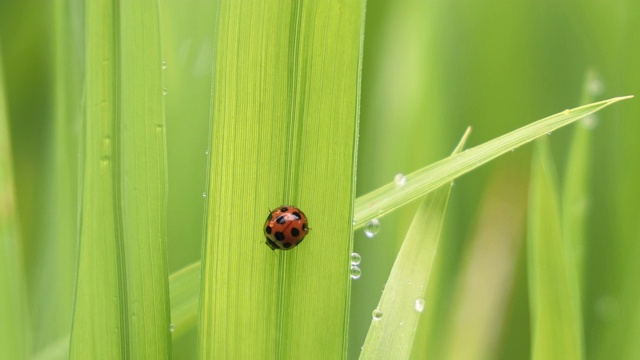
point(556, 326)
point(389, 197)
point(284, 125)
point(15, 332)
point(395, 320)
point(122, 300)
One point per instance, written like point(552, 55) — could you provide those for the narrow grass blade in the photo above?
point(99, 323)
point(53, 279)
point(575, 198)
point(556, 327)
point(122, 300)
point(468, 321)
point(396, 318)
point(283, 132)
point(15, 332)
point(143, 179)
point(389, 197)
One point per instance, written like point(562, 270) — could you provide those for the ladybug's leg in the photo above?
point(271, 244)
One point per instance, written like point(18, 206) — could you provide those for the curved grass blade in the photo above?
point(389, 197)
point(395, 320)
point(556, 326)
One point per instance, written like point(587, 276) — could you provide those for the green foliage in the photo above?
point(553, 288)
point(101, 192)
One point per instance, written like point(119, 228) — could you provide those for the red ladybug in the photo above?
point(285, 227)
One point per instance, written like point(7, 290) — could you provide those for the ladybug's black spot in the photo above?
point(267, 229)
point(280, 220)
point(295, 232)
point(297, 214)
point(279, 236)
point(284, 209)
point(304, 227)
point(287, 245)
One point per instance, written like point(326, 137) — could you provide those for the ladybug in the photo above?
point(285, 228)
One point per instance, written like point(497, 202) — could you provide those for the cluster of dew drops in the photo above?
point(418, 306)
point(370, 230)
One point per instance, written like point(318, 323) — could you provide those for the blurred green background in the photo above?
point(430, 69)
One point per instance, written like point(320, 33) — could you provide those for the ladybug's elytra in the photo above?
point(285, 227)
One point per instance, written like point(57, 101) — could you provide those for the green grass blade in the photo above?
point(556, 327)
point(15, 335)
point(122, 308)
point(53, 279)
point(395, 320)
point(143, 179)
point(284, 127)
point(575, 196)
point(389, 197)
point(99, 314)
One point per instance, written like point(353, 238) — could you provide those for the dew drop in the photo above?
point(206, 152)
point(355, 258)
point(172, 327)
point(164, 91)
point(400, 179)
point(204, 194)
point(377, 314)
point(355, 272)
point(164, 65)
point(549, 133)
point(372, 228)
point(419, 305)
